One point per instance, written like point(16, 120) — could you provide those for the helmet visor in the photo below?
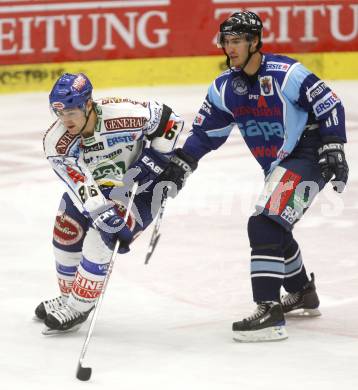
point(220, 38)
point(68, 114)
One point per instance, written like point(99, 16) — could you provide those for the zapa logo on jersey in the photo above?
point(253, 128)
point(266, 86)
point(124, 123)
point(277, 66)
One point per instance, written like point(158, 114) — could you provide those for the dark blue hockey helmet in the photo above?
point(242, 22)
point(70, 91)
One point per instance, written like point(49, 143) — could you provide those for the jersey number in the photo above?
point(87, 191)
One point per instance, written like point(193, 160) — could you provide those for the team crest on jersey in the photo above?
point(239, 86)
point(266, 86)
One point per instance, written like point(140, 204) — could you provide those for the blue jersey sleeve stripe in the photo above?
point(224, 132)
point(293, 81)
point(216, 98)
point(223, 99)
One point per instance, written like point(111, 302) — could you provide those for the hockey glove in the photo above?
point(332, 162)
point(112, 228)
point(149, 166)
point(180, 167)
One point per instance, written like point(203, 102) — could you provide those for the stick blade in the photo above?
point(83, 373)
point(151, 250)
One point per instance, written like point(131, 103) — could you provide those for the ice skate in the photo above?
point(303, 303)
point(45, 307)
point(63, 320)
point(267, 323)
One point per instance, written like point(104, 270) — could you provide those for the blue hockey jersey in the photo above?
point(272, 111)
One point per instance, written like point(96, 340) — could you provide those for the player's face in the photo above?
point(73, 119)
point(236, 47)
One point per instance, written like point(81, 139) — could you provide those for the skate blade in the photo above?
point(273, 333)
point(303, 313)
point(54, 332)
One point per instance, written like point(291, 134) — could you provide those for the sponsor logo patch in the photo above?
point(262, 111)
point(79, 82)
point(120, 100)
point(199, 119)
point(93, 148)
point(67, 231)
point(206, 106)
point(315, 90)
point(325, 104)
point(97, 159)
point(64, 142)
point(58, 106)
point(86, 288)
point(124, 123)
point(74, 175)
point(121, 139)
point(284, 190)
point(65, 285)
point(113, 170)
point(290, 215)
point(261, 151)
point(277, 66)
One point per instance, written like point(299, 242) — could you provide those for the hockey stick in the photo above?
point(84, 373)
point(156, 235)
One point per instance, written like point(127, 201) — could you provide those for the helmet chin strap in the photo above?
point(249, 55)
point(87, 118)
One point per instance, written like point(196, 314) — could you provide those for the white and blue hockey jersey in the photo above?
point(123, 127)
point(272, 112)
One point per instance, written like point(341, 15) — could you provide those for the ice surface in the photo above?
point(167, 325)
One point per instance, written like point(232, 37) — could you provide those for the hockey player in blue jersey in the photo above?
point(294, 126)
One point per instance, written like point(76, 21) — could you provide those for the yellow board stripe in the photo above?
point(159, 71)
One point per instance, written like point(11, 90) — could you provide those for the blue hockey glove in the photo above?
point(149, 166)
point(180, 167)
point(332, 162)
point(112, 228)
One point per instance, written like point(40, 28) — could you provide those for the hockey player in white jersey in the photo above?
point(91, 146)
